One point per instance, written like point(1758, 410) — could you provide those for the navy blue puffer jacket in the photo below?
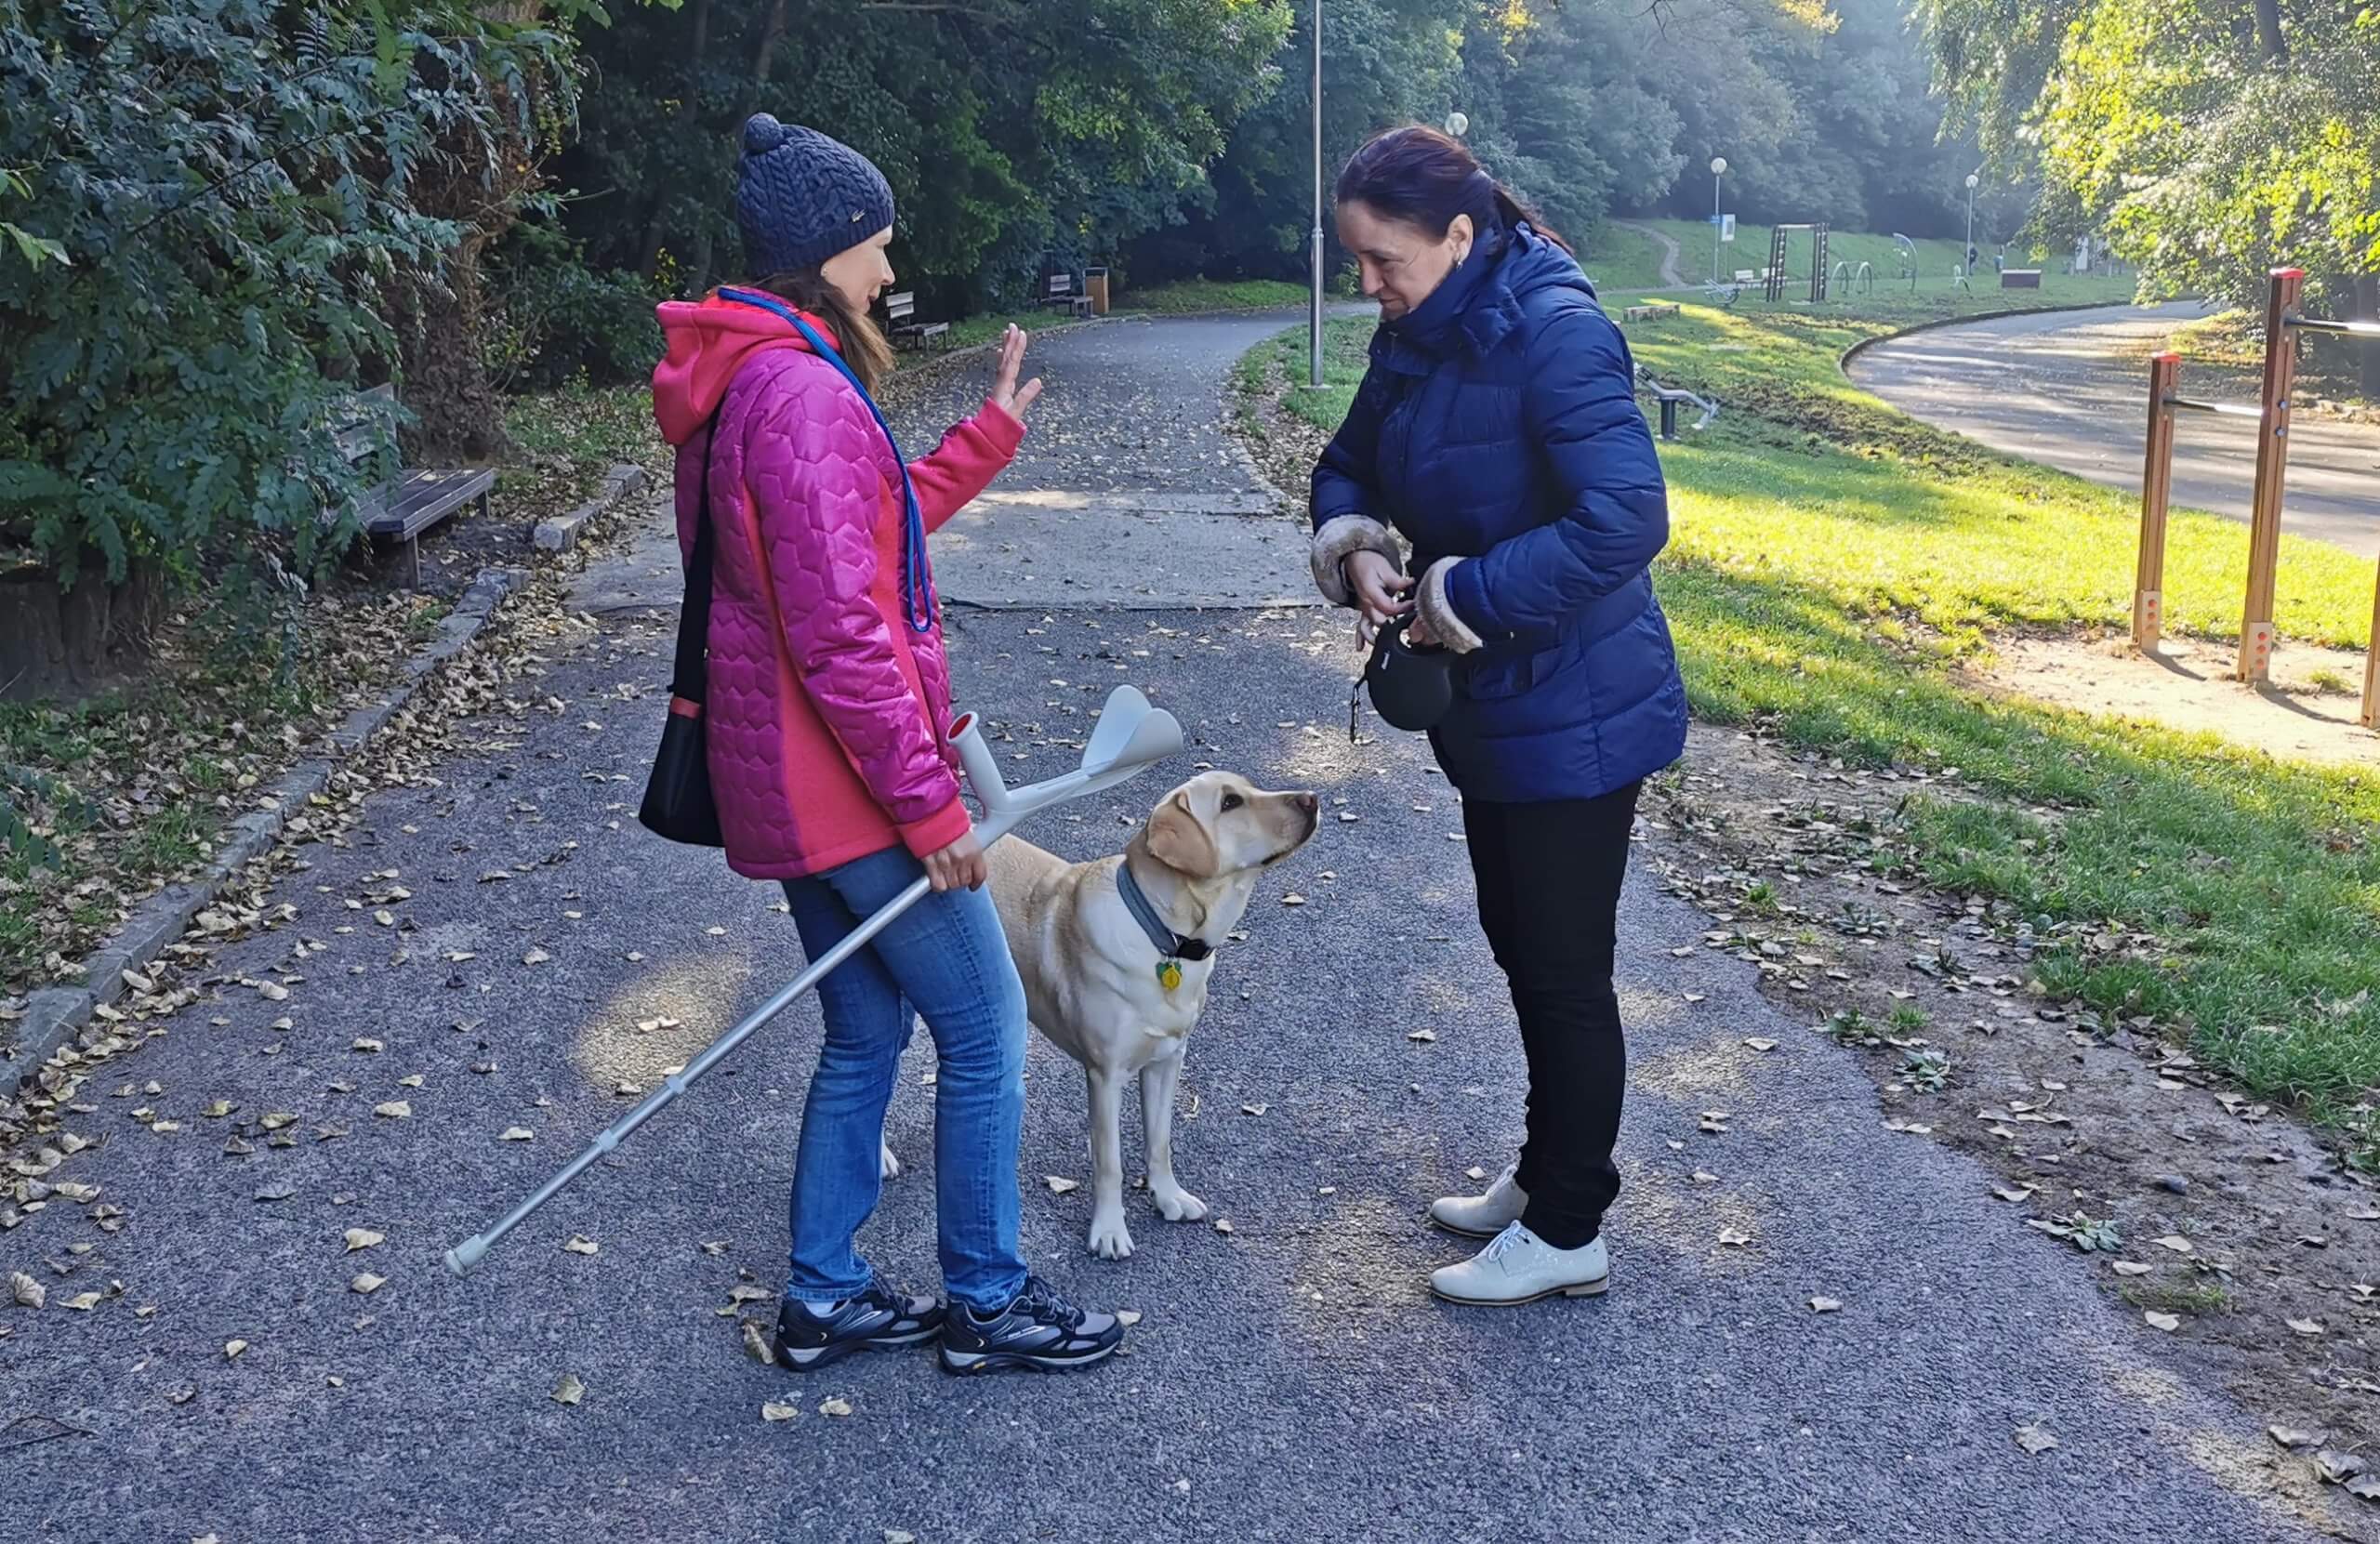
point(1497, 430)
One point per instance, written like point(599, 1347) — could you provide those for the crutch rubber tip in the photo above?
point(462, 1257)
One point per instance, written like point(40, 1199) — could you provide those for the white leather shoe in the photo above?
point(1482, 1216)
point(1518, 1267)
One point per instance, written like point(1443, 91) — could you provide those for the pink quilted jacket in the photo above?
point(827, 716)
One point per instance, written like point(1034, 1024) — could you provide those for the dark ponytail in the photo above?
point(1424, 178)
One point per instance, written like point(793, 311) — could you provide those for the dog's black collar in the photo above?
point(1169, 944)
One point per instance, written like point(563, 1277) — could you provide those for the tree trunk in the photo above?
point(2269, 41)
point(68, 643)
point(442, 357)
point(656, 232)
point(443, 366)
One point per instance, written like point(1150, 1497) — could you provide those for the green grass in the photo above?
point(1829, 559)
point(1619, 258)
point(1936, 256)
point(1189, 295)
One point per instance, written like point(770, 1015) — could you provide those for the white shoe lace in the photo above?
point(1515, 1236)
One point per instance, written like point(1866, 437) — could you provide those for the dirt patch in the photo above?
point(2309, 713)
point(2183, 1198)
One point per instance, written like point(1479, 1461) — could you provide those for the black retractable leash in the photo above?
point(1412, 685)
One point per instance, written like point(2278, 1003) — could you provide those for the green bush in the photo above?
point(207, 201)
point(552, 319)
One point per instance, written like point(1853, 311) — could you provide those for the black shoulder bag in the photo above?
point(677, 802)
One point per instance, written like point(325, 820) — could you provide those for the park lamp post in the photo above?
point(1718, 170)
point(1314, 318)
point(1972, 181)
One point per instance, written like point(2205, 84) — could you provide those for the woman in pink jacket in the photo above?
point(827, 733)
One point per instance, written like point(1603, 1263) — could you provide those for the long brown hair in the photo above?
point(1423, 179)
point(856, 336)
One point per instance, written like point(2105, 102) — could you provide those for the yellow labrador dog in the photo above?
point(1116, 956)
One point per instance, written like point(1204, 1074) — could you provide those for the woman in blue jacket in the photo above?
point(1497, 432)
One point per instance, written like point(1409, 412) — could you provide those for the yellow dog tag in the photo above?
point(1169, 974)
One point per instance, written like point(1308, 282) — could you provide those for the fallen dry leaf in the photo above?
point(1128, 1316)
point(82, 1302)
point(395, 1109)
point(756, 1344)
point(2338, 1467)
point(834, 1406)
point(1223, 1224)
point(28, 1293)
point(1761, 1043)
point(1423, 1035)
point(2166, 1322)
point(516, 1133)
point(1730, 1238)
point(2176, 1243)
point(2132, 1268)
point(363, 1238)
point(367, 1283)
point(233, 1348)
point(570, 1390)
point(2305, 1327)
point(579, 1245)
point(1059, 1186)
point(773, 1410)
point(1825, 1305)
point(2035, 1438)
point(2291, 1436)
point(535, 957)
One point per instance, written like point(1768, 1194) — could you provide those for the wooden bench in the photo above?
point(2020, 278)
point(902, 310)
point(410, 502)
point(1061, 292)
point(1648, 314)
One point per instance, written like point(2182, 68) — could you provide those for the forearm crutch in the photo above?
point(1130, 736)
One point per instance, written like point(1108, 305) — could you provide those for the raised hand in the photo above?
point(1009, 397)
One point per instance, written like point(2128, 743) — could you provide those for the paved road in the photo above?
point(2069, 389)
point(1291, 1380)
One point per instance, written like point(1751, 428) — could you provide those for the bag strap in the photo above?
point(917, 582)
point(690, 676)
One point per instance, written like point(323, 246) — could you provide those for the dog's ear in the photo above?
point(1179, 840)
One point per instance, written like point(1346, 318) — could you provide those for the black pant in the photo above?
point(1549, 900)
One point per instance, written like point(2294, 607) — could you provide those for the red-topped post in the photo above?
point(2272, 461)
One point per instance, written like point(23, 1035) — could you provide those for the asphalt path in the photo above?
point(2070, 390)
point(1289, 1379)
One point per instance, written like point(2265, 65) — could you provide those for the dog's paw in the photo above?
point(889, 1166)
point(1109, 1238)
point(1177, 1205)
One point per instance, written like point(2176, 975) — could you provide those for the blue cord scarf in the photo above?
point(916, 587)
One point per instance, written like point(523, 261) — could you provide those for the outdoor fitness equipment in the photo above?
point(1130, 736)
point(1846, 279)
point(1908, 253)
point(2283, 323)
point(1777, 239)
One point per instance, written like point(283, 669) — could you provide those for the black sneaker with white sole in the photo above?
point(1040, 1329)
point(810, 1335)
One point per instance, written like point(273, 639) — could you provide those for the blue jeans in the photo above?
point(944, 960)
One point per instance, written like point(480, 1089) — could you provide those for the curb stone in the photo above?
point(561, 533)
point(54, 1013)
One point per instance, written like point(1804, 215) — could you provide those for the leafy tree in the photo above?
point(2212, 139)
point(206, 200)
point(1010, 132)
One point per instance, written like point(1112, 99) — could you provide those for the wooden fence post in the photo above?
point(2156, 488)
point(2272, 461)
point(2371, 667)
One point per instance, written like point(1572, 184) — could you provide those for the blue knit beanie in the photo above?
point(801, 197)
